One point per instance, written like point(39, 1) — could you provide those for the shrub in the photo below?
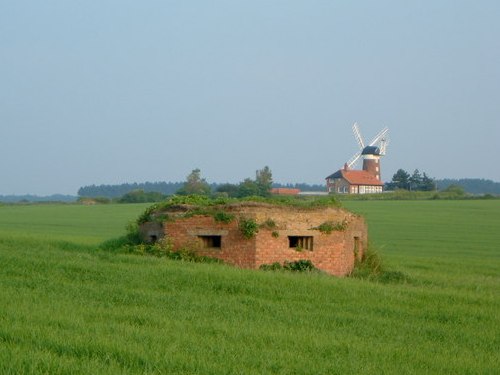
point(248, 227)
point(329, 226)
point(223, 217)
point(276, 266)
point(302, 265)
point(370, 268)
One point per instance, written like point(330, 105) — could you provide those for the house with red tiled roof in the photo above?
point(347, 181)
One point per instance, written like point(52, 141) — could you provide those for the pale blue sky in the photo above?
point(103, 92)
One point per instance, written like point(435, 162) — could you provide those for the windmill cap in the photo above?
point(371, 150)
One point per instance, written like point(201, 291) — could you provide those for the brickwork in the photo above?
point(235, 249)
point(333, 253)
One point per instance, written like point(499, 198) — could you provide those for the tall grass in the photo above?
point(67, 307)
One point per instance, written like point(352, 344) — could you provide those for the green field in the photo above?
point(67, 307)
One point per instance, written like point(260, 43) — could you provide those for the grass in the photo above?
point(67, 222)
point(67, 307)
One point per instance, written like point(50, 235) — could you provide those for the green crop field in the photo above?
point(67, 307)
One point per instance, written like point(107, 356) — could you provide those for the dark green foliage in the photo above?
point(487, 196)
point(228, 190)
point(167, 188)
point(261, 186)
point(264, 181)
point(471, 185)
point(146, 215)
point(276, 266)
point(326, 227)
point(400, 180)
point(415, 182)
point(427, 183)
point(248, 227)
point(275, 234)
point(248, 188)
point(195, 185)
point(223, 217)
point(117, 191)
point(302, 265)
point(140, 196)
point(371, 268)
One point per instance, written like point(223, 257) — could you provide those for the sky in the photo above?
point(114, 91)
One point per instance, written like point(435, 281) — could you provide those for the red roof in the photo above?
point(355, 177)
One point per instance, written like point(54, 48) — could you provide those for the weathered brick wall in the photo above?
point(333, 253)
point(235, 249)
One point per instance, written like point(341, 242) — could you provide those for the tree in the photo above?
point(195, 184)
point(428, 184)
point(140, 196)
point(264, 181)
point(248, 188)
point(400, 180)
point(415, 181)
point(230, 190)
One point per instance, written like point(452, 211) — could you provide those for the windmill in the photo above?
point(371, 153)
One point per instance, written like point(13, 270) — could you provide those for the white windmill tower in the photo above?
point(371, 153)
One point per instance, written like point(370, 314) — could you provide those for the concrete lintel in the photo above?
point(207, 232)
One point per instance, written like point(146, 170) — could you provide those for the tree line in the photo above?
point(261, 185)
point(471, 185)
point(194, 184)
point(413, 182)
point(117, 191)
point(422, 182)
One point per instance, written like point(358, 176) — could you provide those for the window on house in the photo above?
point(300, 242)
point(211, 241)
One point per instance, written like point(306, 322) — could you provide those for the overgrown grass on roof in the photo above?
point(204, 203)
